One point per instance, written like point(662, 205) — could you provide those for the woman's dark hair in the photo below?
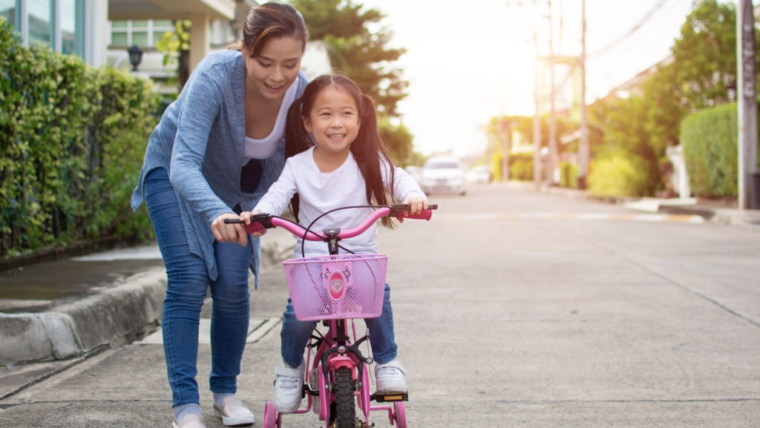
point(267, 21)
point(367, 148)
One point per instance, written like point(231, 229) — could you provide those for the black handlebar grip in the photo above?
point(259, 223)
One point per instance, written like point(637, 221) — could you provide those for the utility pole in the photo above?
point(552, 161)
point(507, 143)
point(583, 156)
point(747, 103)
point(537, 116)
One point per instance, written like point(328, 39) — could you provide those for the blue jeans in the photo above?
point(187, 283)
point(295, 334)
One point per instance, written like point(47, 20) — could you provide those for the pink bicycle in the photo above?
point(334, 289)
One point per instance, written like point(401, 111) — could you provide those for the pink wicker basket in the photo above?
point(333, 287)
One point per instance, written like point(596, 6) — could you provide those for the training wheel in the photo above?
point(398, 408)
point(270, 416)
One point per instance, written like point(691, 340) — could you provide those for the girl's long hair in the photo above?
point(367, 148)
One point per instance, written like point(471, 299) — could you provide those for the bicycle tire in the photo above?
point(345, 406)
point(270, 416)
point(400, 414)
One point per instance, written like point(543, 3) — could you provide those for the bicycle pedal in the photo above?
point(387, 398)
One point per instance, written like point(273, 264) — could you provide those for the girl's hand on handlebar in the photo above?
point(416, 204)
point(246, 218)
point(229, 232)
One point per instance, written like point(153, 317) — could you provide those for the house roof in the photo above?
point(170, 9)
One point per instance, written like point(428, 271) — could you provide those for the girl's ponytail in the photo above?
point(370, 155)
point(297, 140)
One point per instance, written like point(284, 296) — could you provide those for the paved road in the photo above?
point(512, 309)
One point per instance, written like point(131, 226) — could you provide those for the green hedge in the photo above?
point(568, 175)
point(72, 139)
point(710, 149)
point(619, 175)
point(521, 168)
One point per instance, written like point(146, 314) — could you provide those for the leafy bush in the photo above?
point(709, 141)
point(72, 139)
point(568, 175)
point(620, 175)
point(521, 167)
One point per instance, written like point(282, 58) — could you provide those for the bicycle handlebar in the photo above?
point(261, 222)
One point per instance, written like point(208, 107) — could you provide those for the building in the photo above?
point(99, 31)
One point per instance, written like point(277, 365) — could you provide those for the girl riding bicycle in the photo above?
point(335, 159)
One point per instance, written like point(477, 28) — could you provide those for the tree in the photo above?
point(698, 74)
point(704, 55)
point(175, 45)
point(356, 51)
point(364, 56)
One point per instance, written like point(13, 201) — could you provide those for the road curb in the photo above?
point(68, 251)
point(121, 313)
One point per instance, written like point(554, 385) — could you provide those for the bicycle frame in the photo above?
point(328, 354)
point(325, 376)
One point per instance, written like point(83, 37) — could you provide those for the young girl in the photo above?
point(336, 159)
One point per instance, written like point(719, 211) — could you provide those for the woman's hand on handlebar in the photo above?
point(229, 232)
point(416, 204)
point(245, 217)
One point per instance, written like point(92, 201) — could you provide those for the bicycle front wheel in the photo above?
point(345, 408)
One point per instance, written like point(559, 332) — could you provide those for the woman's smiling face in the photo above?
point(275, 68)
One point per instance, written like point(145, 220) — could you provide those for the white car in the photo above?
point(479, 174)
point(443, 175)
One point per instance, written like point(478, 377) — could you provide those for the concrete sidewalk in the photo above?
point(90, 304)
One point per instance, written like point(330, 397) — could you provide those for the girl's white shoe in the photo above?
point(288, 387)
point(390, 378)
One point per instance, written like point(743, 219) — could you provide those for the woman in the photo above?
point(215, 152)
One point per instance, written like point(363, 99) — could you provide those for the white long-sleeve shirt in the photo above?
point(321, 192)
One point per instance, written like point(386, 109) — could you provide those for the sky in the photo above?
point(468, 61)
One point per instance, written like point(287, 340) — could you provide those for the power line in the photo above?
point(656, 32)
point(633, 30)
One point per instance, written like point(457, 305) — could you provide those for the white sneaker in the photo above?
point(190, 421)
point(390, 378)
point(233, 412)
point(288, 387)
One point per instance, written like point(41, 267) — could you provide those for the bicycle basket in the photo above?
point(333, 287)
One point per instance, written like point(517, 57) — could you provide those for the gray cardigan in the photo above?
point(201, 142)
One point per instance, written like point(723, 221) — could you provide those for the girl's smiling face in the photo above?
point(276, 67)
point(333, 120)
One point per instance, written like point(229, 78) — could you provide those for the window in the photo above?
point(40, 29)
point(8, 10)
point(159, 28)
point(53, 22)
point(68, 26)
point(142, 33)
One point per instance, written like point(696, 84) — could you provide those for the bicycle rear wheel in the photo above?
point(345, 407)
